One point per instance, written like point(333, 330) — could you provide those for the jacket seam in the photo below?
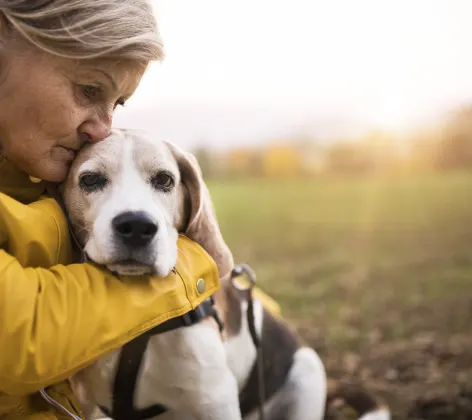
point(187, 293)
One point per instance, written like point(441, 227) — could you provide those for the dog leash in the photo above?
point(239, 270)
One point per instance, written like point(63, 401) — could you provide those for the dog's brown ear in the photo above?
point(200, 223)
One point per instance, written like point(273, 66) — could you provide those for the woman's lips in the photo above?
point(68, 154)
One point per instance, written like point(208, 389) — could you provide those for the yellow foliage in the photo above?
point(281, 161)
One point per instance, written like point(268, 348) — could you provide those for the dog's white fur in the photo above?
point(194, 371)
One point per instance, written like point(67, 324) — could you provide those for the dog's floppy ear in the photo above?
point(199, 222)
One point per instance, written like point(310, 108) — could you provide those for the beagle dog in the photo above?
point(128, 198)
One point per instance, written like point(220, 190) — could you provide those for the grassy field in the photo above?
point(376, 274)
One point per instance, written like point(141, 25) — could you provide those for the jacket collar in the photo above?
point(18, 184)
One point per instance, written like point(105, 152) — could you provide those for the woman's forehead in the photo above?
point(125, 74)
point(117, 69)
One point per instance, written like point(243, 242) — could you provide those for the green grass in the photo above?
point(345, 257)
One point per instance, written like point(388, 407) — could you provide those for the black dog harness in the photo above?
point(130, 361)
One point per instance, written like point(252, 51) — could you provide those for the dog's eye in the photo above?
point(162, 181)
point(92, 181)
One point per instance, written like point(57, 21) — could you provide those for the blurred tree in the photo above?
point(455, 147)
point(423, 145)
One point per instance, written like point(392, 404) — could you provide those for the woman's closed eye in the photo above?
point(92, 93)
point(95, 94)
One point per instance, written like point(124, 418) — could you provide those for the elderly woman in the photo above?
point(65, 66)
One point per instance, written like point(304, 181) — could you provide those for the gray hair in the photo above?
point(87, 29)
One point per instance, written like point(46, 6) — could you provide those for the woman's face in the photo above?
point(50, 106)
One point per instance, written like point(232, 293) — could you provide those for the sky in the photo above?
point(241, 72)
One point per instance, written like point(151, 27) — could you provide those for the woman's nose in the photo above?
point(95, 130)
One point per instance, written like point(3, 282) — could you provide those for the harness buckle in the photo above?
point(248, 273)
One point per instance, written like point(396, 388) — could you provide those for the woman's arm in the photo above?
point(55, 321)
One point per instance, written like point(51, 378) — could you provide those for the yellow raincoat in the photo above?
point(56, 317)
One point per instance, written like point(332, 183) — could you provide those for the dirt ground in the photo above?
point(426, 378)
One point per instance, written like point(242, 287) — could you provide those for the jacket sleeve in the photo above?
point(55, 321)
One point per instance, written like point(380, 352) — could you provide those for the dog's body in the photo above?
point(128, 198)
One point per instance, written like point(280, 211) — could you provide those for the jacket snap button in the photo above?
point(201, 286)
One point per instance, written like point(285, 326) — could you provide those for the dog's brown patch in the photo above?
point(361, 400)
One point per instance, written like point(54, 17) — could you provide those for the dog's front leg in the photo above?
point(219, 400)
point(187, 371)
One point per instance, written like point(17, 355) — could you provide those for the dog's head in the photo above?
point(130, 195)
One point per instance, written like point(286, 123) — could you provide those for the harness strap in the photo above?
point(124, 386)
point(205, 309)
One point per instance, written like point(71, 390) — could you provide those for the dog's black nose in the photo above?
point(134, 228)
